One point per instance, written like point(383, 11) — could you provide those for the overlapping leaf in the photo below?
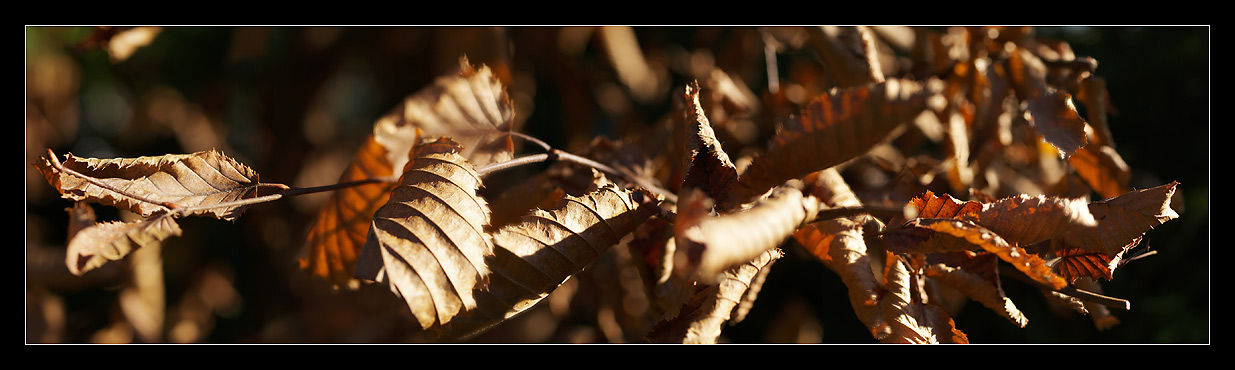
point(1095, 252)
point(533, 257)
point(110, 241)
point(471, 105)
point(428, 242)
point(707, 166)
point(703, 316)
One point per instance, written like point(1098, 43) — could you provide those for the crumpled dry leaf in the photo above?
point(839, 244)
point(707, 167)
point(182, 180)
point(707, 246)
point(1097, 251)
point(111, 241)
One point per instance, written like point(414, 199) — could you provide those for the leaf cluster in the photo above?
point(989, 113)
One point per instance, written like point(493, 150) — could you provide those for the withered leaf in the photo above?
point(111, 241)
point(1122, 221)
point(702, 317)
point(910, 320)
point(988, 240)
point(535, 256)
point(833, 129)
point(428, 241)
point(1055, 118)
point(983, 290)
point(470, 104)
point(1103, 169)
point(709, 245)
point(839, 244)
point(707, 166)
point(183, 180)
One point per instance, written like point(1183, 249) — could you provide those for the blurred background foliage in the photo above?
point(294, 103)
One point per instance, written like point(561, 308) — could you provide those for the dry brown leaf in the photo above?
point(1054, 116)
point(849, 53)
point(111, 241)
point(988, 240)
point(535, 256)
point(701, 318)
point(428, 241)
point(707, 167)
point(983, 290)
point(470, 104)
point(1124, 219)
point(839, 245)
point(833, 129)
point(708, 246)
point(181, 180)
point(1103, 169)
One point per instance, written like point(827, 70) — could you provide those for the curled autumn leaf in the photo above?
point(110, 241)
point(707, 166)
point(833, 129)
point(428, 241)
point(709, 245)
point(203, 182)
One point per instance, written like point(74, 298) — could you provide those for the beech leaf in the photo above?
point(180, 180)
point(709, 245)
point(471, 104)
point(536, 255)
point(1029, 264)
point(428, 241)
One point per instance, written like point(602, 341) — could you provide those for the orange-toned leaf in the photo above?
point(1055, 118)
point(342, 224)
point(1103, 169)
point(1030, 264)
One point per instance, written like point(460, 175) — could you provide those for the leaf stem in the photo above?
point(1071, 291)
